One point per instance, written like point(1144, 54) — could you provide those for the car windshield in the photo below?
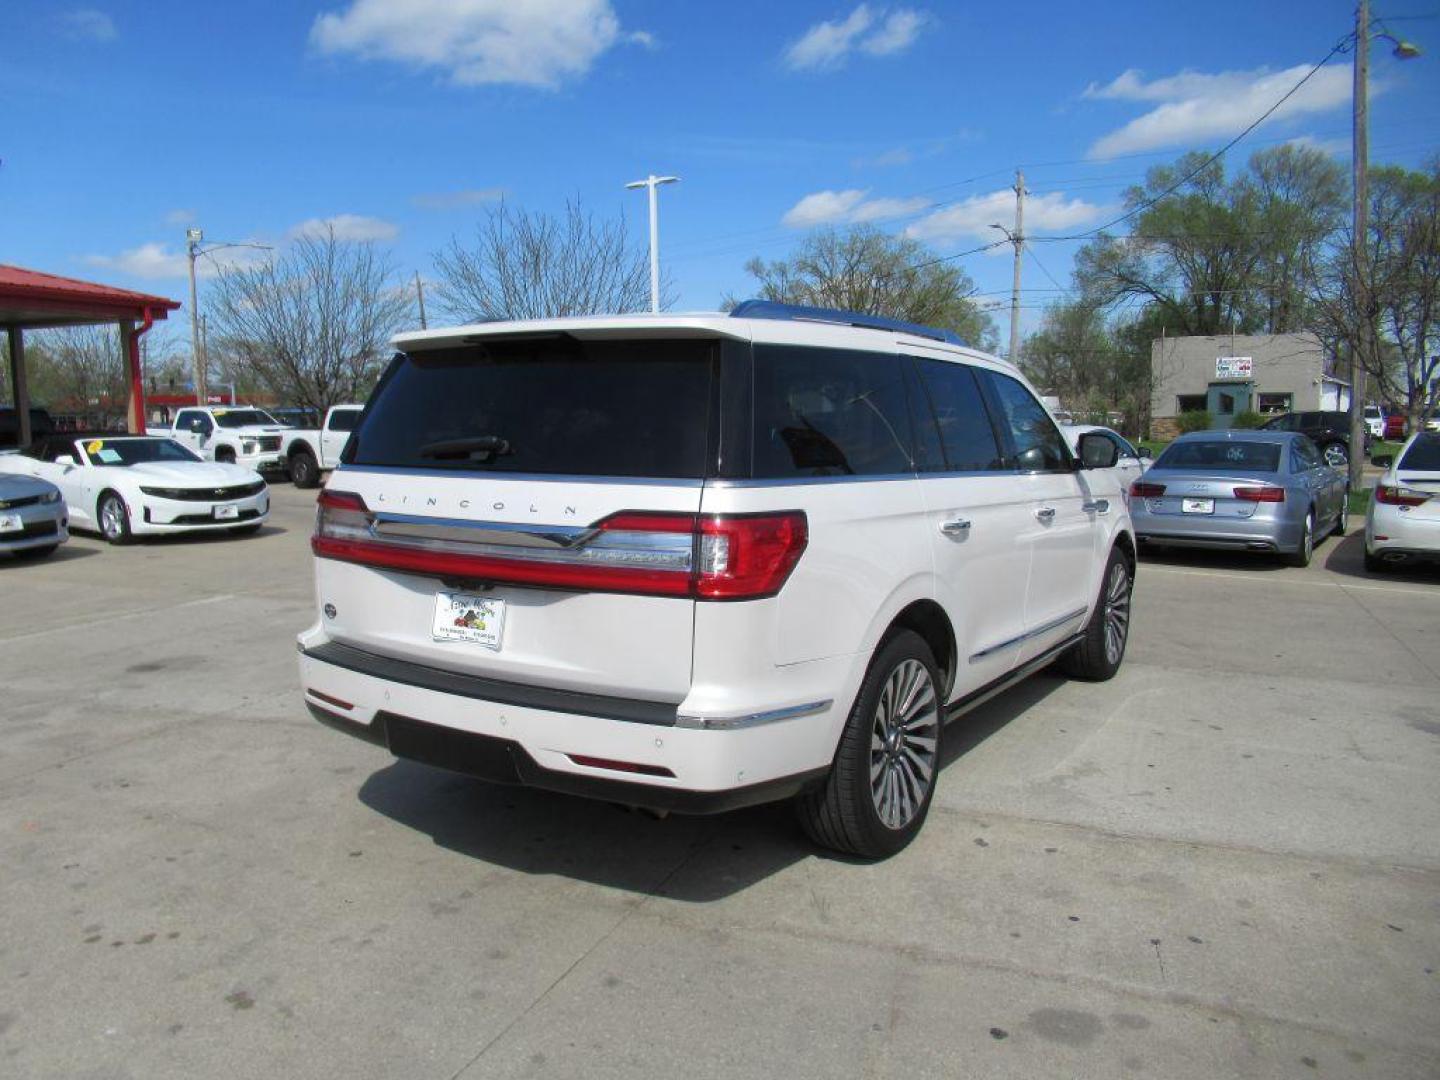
point(1423, 455)
point(122, 452)
point(1225, 455)
point(232, 418)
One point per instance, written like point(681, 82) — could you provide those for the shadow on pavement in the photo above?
point(1348, 558)
point(1201, 559)
point(694, 859)
point(66, 552)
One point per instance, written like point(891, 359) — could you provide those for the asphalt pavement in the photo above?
point(1223, 863)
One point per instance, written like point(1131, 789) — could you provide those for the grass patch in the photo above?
point(1360, 502)
point(1381, 446)
point(1153, 445)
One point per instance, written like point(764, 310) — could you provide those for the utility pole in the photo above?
point(652, 182)
point(193, 236)
point(205, 353)
point(1017, 238)
point(1359, 245)
point(1019, 241)
point(420, 293)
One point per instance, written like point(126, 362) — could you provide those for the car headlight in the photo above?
point(164, 493)
point(50, 497)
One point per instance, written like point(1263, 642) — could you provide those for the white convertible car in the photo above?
point(132, 485)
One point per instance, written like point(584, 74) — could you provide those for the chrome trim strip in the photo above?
point(483, 532)
point(771, 716)
point(1053, 624)
point(556, 478)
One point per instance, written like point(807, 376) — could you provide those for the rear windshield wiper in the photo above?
point(490, 446)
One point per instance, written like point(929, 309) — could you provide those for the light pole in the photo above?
point(1366, 349)
point(652, 182)
point(193, 238)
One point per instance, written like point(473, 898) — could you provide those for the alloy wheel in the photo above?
point(1335, 456)
point(112, 518)
point(903, 740)
point(1117, 612)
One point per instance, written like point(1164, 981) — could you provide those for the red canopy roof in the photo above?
point(30, 297)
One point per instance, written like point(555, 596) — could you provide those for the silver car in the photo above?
point(32, 516)
point(1242, 491)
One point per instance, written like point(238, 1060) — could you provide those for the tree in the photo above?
point(313, 323)
point(536, 266)
point(79, 370)
point(1094, 367)
point(1217, 255)
point(864, 269)
point(1404, 291)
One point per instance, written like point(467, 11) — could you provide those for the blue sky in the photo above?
point(121, 123)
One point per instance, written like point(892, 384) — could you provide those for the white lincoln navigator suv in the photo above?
point(696, 562)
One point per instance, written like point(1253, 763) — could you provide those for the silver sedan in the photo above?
point(1265, 491)
point(32, 517)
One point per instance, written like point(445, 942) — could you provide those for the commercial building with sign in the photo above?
point(1228, 374)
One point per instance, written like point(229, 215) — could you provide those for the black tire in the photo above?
point(304, 470)
point(114, 524)
point(871, 771)
point(1098, 654)
point(225, 455)
point(1374, 564)
point(1301, 555)
point(1336, 454)
point(1342, 519)
point(36, 552)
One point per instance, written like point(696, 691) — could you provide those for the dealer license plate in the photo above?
point(227, 513)
point(1198, 506)
point(478, 620)
point(11, 523)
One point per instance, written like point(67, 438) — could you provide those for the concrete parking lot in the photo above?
point(1226, 862)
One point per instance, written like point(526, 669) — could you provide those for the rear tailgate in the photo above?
point(512, 494)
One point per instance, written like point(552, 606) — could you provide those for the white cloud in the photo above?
point(850, 207)
point(826, 45)
point(899, 32)
point(535, 43)
point(1196, 107)
point(156, 261)
point(89, 24)
point(180, 216)
point(347, 227)
point(972, 217)
point(455, 200)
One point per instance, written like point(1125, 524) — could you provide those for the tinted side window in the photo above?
point(344, 419)
point(1036, 445)
point(829, 412)
point(966, 433)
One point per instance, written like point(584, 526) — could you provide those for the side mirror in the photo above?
point(197, 426)
point(1144, 452)
point(1097, 451)
point(67, 460)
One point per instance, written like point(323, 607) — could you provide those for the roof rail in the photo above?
point(772, 309)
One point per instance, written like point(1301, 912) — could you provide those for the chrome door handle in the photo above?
point(1099, 506)
point(1046, 514)
point(956, 527)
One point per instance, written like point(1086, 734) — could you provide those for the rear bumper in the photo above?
point(517, 734)
point(506, 761)
point(1406, 537)
point(1225, 534)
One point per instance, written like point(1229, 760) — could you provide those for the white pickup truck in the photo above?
point(237, 434)
point(309, 452)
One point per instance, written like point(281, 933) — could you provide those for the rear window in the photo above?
point(1423, 455)
point(1221, 455)
point(551, 406)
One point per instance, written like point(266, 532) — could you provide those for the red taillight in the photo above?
point(1141, 490)
point(1260, 494)
point(1391, 495)
point(709, 557)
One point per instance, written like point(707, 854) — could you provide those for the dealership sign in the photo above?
point(1234, 367)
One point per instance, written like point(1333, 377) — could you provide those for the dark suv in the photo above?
point(1330, 431)
point(40, 425)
